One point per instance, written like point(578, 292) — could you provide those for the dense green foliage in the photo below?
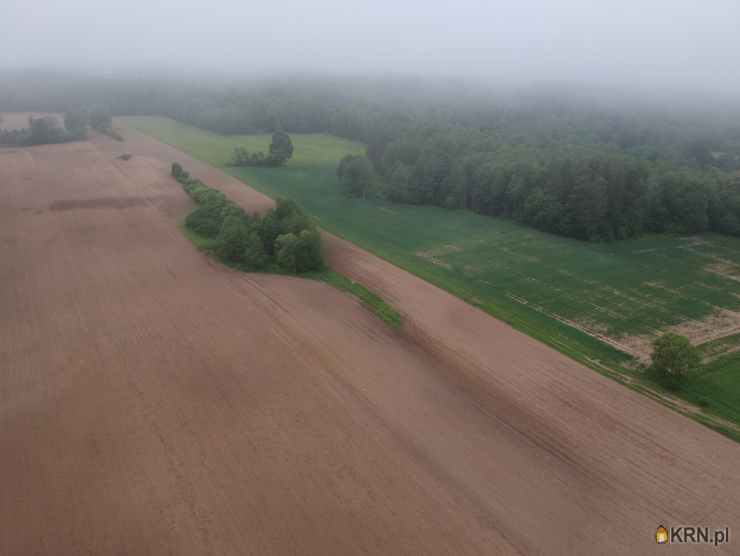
point(254, 253)
point(43, 131)
point(355, 173)
point(558, 188)
point(285, 232)
point(673, 357)
point(281, 150)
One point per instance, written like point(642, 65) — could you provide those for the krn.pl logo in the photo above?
point(661, 535)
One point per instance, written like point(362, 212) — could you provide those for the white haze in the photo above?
point(649, 44)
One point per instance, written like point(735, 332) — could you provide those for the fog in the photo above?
point(665, 44)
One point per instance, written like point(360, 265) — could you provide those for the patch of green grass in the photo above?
point(369, 299)
point(588, 301)
point(309, 148)
point(716, 388)
point(721, 346)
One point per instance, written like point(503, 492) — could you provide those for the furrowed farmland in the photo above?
point(155, 401)
point(601, 304)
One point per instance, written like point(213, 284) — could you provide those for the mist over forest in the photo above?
point(584, 163)
point(596, 121)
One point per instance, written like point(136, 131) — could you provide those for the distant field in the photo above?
point(596, 301)
point(310, 148)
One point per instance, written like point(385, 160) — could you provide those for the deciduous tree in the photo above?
point(254, 253)
point(673, 357)
point(232, 239)
point(281, 149)
point(356, 175)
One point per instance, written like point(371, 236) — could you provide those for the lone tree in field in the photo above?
point(673, 357)
point(281, 149)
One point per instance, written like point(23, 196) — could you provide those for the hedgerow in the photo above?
point(285, 232)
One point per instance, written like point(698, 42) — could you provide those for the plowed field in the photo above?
point(154, 402)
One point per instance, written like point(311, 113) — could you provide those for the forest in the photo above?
point(583, 164)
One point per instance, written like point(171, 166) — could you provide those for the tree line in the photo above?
point(46, 130)
point(284, 234)
point(580, 164)
point(563, 190)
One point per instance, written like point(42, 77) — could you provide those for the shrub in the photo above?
point(206, 220)
point(239, 158)
point(285, 208)
point(281, 149)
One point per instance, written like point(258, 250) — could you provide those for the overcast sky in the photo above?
point(692, 44)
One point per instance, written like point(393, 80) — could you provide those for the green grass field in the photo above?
point(603, 302)
point(310, 148)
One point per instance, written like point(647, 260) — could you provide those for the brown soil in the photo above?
point(154, 402)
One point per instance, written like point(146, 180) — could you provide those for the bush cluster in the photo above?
point(285, 232)
point(281, 150)
point(41, 131)
point(46, 130)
